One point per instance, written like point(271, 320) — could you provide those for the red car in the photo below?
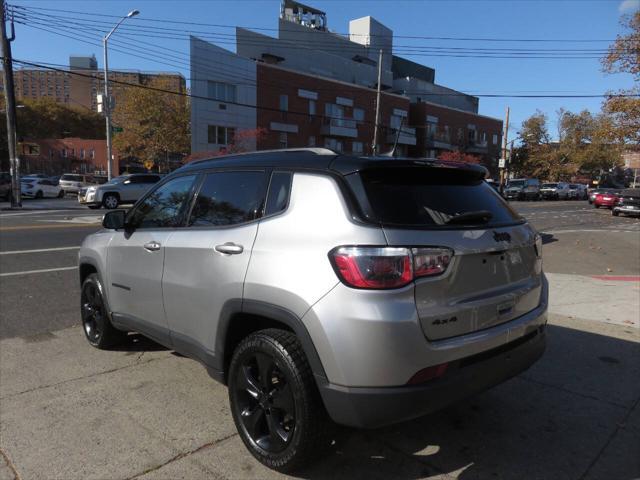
point(605, 200)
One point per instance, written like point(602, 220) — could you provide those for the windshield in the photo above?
point(573, 187)
point(116, 180)
point(549, 185)
point(27, 180)
point(71, 178)
point(433, 197)
point(516, 183)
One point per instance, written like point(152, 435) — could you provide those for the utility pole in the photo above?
point(10, 107)
point(503, 160)
point(375, 126)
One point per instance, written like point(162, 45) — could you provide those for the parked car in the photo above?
point(39, 188)
point(124, 189)
point(5, 186)
point(554, 191)
point(628, 203)
point(523, 189)
point(318, 285)
point(594, 192)
point(577, 191)
point(73, 182)
point(607, 200)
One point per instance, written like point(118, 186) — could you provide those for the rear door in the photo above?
point(495, 272)
point(206, 262)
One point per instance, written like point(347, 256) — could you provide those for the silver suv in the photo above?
point(319, 286)
point(123, 189)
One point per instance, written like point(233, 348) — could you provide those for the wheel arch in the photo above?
point(240, 318)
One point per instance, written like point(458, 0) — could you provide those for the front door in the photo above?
point(136, 257)
point(206, 262)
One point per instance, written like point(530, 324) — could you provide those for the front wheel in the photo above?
point(110, 201)
point(39, 194)
point(61, 194)
point(615, 213)
point(275, 402)
point(95, 317)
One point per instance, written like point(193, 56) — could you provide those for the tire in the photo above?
point(61, 194)
point(596, 206)
point(110, 201)
point(94, 207)
point(615, 213)
point(39, 194)
point(282, 423)
point(96, 323)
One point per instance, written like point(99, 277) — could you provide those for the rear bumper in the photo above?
point(377, 407)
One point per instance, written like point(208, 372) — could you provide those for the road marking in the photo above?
point(83, 219)
point(619, 278)
point(38, 212)
point(29, 272)
point(55, 225)
point(39, 250)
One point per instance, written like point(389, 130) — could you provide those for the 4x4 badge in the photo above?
point(501, 237)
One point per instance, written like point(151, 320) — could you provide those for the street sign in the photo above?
point(501, 163)
point(117, 129)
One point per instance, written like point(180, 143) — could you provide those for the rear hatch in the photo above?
point(495, 272)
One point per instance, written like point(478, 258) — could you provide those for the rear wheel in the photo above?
point(110, 201)
point(61, 194)
point(95, 317)
point(39, 194)
point(614, 212)
point(274, 401)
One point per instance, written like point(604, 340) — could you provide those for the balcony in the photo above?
point(407, 136)
point(339, 127)
point(477, 147)
point(438, 140)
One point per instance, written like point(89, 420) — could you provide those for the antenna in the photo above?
point(392, 152)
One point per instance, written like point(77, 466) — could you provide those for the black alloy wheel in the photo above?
point(265, 402)
point(275, 402)
point(95, 318)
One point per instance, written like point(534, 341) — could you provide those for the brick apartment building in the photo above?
point(79, 85)
point(313, 87)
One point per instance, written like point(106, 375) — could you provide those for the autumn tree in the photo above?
point(154, 122)
point(244, 140)
point(458, 156)
point(623, 106)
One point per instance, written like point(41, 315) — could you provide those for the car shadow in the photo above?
point(552, 421)
point(548, 238)
point(136, 343)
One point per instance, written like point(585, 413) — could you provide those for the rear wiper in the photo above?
point(479, 216)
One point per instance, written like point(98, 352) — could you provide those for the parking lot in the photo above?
point(68, 411)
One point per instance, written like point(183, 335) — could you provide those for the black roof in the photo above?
point(323, 159)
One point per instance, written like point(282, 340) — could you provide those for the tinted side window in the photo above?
point(279, 189)
point(163, 208)
point(228, 198)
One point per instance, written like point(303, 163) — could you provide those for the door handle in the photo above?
point(152, 246)
point(229, 248)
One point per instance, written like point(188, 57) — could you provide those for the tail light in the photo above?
point(387, 267)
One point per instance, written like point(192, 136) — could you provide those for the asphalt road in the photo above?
point(38, 252)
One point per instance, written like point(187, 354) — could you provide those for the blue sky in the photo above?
point(505, 19)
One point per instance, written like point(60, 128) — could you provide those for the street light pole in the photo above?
point(106, 101)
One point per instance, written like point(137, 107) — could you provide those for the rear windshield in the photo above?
point(71, 178)
point(431, 197)
point(516, 183)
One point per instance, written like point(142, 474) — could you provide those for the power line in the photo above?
point(423, 37)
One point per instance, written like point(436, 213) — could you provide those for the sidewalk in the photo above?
point(68, 411)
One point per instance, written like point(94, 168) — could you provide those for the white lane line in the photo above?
point(35, 212)
point(39, 250)
point(29, 272)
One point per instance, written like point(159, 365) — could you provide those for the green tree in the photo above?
point(154, 122)
point(623, 56)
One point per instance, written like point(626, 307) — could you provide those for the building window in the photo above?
point(333, 144)
point(92, 154)
point(483, 138)
point(494, 140)
point(396, 121)
point(358, 115)
point(357, 147)
point(447, 137)
point(220, 135)
point(82, 153)
point(284, 103)
point(472, 135)
point(335, 113)
point(282, 139)
point(64, 153)
point(312, 141)
point(223, 92)
point(312, 107)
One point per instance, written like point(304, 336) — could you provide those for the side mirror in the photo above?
point(114, 220)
